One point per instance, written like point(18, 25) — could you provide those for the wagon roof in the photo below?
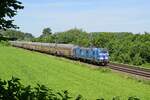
point(47, 44)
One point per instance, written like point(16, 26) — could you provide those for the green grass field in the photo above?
point(58, 73)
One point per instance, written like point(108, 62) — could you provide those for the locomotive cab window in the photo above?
point(104, 51)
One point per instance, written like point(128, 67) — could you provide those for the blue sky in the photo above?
point(90, 15)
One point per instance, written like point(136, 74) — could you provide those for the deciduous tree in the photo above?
point(8, 9)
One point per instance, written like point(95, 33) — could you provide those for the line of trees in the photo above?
point(15, 35)
point(124, 47)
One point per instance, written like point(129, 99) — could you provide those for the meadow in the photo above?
point(62, 74)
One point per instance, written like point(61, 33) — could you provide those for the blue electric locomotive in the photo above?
point(96, 55)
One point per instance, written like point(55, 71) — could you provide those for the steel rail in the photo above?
point(131, 70)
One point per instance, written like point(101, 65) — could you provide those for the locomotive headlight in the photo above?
point(106, 57)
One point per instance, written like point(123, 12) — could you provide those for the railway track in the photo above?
point(131, 70)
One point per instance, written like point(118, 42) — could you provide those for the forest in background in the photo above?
point(16, 35)
point(124, 47)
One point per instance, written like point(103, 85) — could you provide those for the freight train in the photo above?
point(92, 55)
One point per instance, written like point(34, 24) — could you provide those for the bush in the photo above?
point(4, 43)
point(14, 90)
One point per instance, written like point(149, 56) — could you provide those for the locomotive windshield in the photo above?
point(103, 51)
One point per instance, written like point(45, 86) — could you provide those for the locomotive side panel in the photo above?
point(93, 55)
